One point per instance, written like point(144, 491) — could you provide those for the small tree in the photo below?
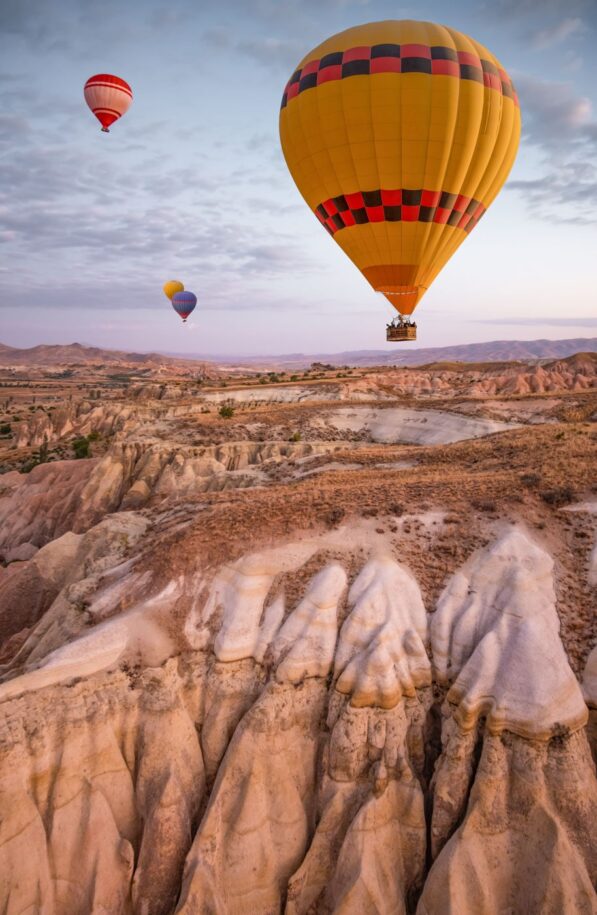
point(81, 448)
point(226, 411)
point(43, 451)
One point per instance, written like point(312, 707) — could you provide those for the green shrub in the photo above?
point(81, 447)
point(43, 451)
point(558, 497)
point(295, 437)
point(5, 429)
point(226, 412)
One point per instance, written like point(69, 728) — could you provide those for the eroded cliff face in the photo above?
point(301, 729)
point(63, 496)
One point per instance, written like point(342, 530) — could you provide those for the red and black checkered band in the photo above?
point(399, 206)
point(395, 58)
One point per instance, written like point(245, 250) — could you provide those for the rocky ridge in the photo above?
point(331, 743)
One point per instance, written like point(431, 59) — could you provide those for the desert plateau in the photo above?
point(314, 643)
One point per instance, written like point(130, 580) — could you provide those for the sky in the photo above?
point(191, 183)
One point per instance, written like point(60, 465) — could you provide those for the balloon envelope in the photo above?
point(183, 303)
point(109, 97)
point(399, 135)
point(171, 287)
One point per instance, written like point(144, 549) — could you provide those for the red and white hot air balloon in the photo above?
point(109, 97)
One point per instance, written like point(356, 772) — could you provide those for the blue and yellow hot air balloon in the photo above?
point(183, 304)
point(171, 287)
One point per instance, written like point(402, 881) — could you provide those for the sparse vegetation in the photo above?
point(396, 509)
point(81, 447)
point(334, 516)
point(226, 411)
point(28, 465)
point(530, 479)
point(557, 497)
point(43, 451)
point(484, 505)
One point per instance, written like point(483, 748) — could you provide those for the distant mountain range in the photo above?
point(494, 351)
point(79, 354)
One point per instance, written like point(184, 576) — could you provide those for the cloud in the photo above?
point(531, 322)
point(543, 24)
point(103, 220)
point(553, 113)
point(278, 53)
point(274, 258)
point(72, 26)
point(556, 34)
point(521, 8)
point(218, 37)
point(561, 195)
point(13, 128)
point(562, 127)
point(16, 16)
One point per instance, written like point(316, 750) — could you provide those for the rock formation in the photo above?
point(266, 735)
point(327, 654)
point(66, 495)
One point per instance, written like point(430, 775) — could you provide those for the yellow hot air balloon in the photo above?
point(399, 135)
point(172, 287)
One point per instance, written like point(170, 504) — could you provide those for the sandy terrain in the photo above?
point(329, 650)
